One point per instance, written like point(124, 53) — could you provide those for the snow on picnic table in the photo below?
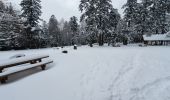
point(22, 59)
point(98, 73)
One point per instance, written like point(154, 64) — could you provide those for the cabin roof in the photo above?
point(157, 37)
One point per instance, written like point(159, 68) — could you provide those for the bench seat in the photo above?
point(22, 60)
point(14, 70)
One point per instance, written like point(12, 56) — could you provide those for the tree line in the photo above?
point(99, 23)
point(22, 29)
point(104, 24)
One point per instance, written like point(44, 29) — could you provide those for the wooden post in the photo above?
point(40, 60)
point(31, 62)
point(163, 43)
point(1, 70)
point(4, 79)
point(152, 43)
point(43, 67)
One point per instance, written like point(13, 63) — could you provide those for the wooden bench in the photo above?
point(23, 60)
point(35, 61)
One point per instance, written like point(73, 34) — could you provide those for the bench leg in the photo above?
point(40, 60)
point(1, 70)
point(31, 62)
point(3, 80)
point(43, 67)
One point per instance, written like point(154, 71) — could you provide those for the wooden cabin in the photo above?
point(157, 39)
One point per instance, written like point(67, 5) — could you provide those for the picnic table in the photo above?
point(25, 63)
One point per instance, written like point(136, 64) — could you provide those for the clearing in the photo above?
point(98, 73)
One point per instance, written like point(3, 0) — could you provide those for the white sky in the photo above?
point(65, 8)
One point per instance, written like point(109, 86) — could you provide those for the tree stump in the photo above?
point(65, 51)
point(75, 47)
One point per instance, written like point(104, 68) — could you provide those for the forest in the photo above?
point(99, 23)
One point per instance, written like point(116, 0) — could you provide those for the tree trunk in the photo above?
point(101, 40)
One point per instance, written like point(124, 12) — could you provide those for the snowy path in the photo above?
point(99, 73)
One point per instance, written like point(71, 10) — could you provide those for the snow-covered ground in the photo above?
point(98, 73)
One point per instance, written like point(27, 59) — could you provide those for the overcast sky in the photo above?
point(65, 8)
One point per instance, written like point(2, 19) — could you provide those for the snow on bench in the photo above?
point(13, 70)
point(22, 60)
point(17, 56)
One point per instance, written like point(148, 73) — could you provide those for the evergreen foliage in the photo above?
point(31, 12)
point(74, 28)
point(54, 31)
point(96, 15)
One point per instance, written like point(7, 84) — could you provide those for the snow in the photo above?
point(22, 68)
point(35, 28)
point(22, 59)
point(17, 56)
point(98, 73)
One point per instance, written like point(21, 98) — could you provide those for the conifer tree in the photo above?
point(54, 31)
point(96, 15)
point(74, 28)
point(130, 12)
point(31, 11)
point(67, 36)
point(2, 6)
point(114, 19)
point(10, 27)
point(159, 12)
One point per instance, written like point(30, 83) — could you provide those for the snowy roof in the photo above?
point(157, 37)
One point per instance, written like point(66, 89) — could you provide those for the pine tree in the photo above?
point(130, 12)
point(2, 7)
point(45, 35)
point(61, 24)
point(83, 33)
point(54, 31)
point(143, 22)
point(134, 14)
point(31, 11)
point(10, 9)
point(114, 19)
point(74, 28)
point(159, 12)
point(67, 36)
point(45, 27)
point(96, 14)
point(10, 28)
